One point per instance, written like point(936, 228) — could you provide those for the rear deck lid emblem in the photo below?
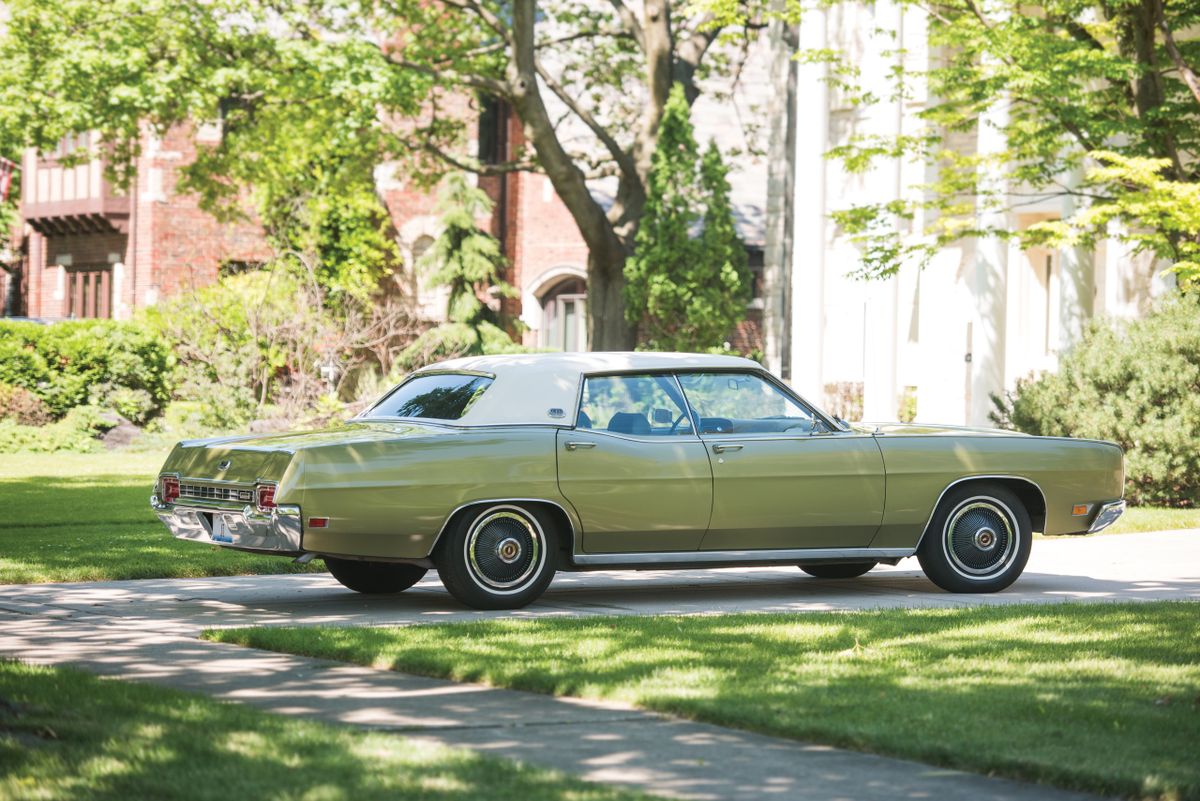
point(224, 465)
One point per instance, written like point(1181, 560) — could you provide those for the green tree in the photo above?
point(384, 80)
point(1100, 106)
point(469, 261)
point(686, 291)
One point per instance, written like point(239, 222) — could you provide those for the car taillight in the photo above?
point(170, 489)
point(265, 494)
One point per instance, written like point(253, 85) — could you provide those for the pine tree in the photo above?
point(687, 282)
point(470, 262)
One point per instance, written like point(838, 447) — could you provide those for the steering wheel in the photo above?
point(675, 425)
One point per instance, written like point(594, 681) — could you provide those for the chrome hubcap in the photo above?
point(504, 550)
point(981, 538)
point(985, 539)
point(509, 551)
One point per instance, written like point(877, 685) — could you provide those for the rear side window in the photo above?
point(437, 397)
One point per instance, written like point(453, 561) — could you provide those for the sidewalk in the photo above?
point(599, 742)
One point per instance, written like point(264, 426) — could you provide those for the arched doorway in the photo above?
point(564, 315)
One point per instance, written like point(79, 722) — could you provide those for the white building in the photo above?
point(984, 314)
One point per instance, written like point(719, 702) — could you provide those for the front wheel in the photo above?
point(843, 570)
point(498, 557)
point(374, 578)
point(978, 540)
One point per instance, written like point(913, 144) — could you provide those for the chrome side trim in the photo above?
point(956, 482)
point(783, 555)
point(1109, 513)
point(460, 507)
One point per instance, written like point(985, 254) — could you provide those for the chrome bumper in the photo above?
point(242, 528)
point(1108, 514)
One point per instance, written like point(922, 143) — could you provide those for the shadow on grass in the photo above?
point(65, 734)
point(1099, 697)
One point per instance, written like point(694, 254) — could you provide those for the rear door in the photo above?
point(633, 467)
point(782, 477)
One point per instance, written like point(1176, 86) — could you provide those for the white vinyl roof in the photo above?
point(529, 385)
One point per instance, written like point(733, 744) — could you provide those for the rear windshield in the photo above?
point(439, 397)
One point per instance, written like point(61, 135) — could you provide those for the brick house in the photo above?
point(85, 249)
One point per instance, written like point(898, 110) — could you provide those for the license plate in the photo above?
point(220, 531)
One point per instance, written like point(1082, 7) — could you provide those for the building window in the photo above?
point(89, 291)
point(564, 316)
point(493, 121)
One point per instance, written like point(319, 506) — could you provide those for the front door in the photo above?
point(781, 477)
point(633, 467)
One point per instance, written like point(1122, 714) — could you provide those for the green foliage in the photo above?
point(76, 433)
point(470, 262)
point(687, 291)
point(1136, 383)
point(1095, 109)
point(242, 342)
point(103, 362)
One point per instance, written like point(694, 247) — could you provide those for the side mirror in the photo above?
point(663, 417)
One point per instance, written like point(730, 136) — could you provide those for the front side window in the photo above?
point(446, 396)
point(744, 403)
point(642, 405)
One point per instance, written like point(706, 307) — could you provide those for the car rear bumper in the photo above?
point(1109, 513)
point(241, 528)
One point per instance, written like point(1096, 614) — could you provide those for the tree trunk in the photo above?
point(607, 328)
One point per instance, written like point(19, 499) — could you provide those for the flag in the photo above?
point(7, 168)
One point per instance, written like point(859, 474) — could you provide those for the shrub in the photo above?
point(264, 341)
point(22, 406)
point(76, 432)
point(77, 362)
point(1136, 383)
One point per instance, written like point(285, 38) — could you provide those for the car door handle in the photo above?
point(572, 446)
point(724, 448)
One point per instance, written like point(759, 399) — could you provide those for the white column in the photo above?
point(988, 276)
point(781, 188)
point(1077, 281)
point(809, 246)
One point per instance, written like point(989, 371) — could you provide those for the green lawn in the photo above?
point(68, 735)
point(86, 517)
point(1154, 518)
point(1099, 697)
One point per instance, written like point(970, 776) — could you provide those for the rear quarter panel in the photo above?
point(391, 498)
point(1067, 471)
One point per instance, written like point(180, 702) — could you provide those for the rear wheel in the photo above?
point(838, 571)
point(978, 540)
point(374, 578)
point(498, 557)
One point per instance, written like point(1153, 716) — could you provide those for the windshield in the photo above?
point(441, 396)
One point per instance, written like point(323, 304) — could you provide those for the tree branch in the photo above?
point(623, 158)
point(1185, 71)
point(690, 54)
point(480, 82)
point(630, 21)
point(566, 177)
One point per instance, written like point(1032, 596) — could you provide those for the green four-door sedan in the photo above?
point(500, 470)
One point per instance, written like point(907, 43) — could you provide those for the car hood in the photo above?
point(924, 430)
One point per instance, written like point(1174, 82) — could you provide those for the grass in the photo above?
point(87, 517)
point(1154, 518)
point(1097, 697)
point(69, 735)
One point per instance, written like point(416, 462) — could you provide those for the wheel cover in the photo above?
point(981, 538)
point(504, 549)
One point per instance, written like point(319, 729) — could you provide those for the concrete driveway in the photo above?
point(1157, 566)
